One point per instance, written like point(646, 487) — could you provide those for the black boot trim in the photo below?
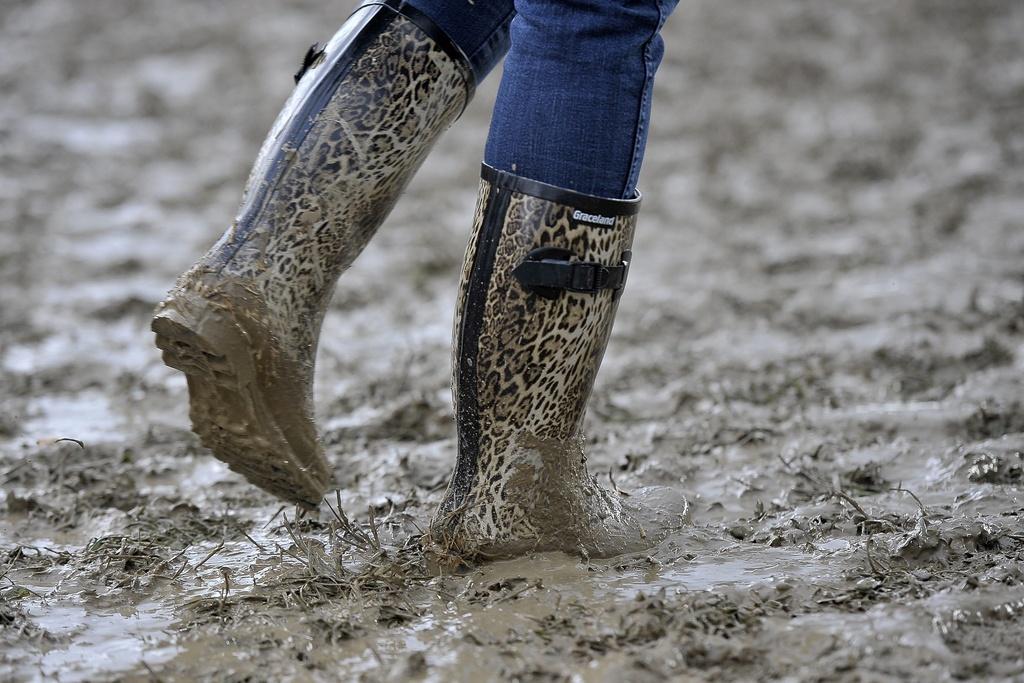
point(590, 208)
point(469, 427)
point(436, 33)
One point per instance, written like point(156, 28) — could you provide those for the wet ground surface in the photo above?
point(822, 346)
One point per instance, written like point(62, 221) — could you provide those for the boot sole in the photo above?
point(227, 406)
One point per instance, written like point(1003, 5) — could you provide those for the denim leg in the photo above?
point(479, 27)
point(575, 98)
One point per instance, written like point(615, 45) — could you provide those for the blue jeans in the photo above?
point(574, 103)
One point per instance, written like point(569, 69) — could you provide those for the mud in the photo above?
point(821, 346)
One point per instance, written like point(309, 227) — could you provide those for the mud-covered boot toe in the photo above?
point(244, 406)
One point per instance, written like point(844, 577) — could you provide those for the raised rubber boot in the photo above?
point(243, 323)
point(540, 286)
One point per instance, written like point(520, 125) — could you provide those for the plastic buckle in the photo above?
point(627, 257)
point(587, 277)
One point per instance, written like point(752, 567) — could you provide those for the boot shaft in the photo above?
point(540, 287)
point(365, 112)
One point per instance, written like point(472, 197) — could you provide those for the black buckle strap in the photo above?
point(547, 271)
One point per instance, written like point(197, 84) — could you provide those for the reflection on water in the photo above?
point(87, 416)
point(97, 640)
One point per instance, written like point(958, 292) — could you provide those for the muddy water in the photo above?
point(822, 347)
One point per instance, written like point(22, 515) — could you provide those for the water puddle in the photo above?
point(91, 640)
point(86, 416)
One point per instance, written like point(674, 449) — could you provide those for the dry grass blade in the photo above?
point(373, 529)
point(205, 559)
point(274, 516)
point(854, 504)
point(871, 562)
point(351, 534)
point(615, 487)
point(899, 489)
point(259, 547)
point(167, 563)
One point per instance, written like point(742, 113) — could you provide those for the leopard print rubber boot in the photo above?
point(244, 322)
point(540, 286)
